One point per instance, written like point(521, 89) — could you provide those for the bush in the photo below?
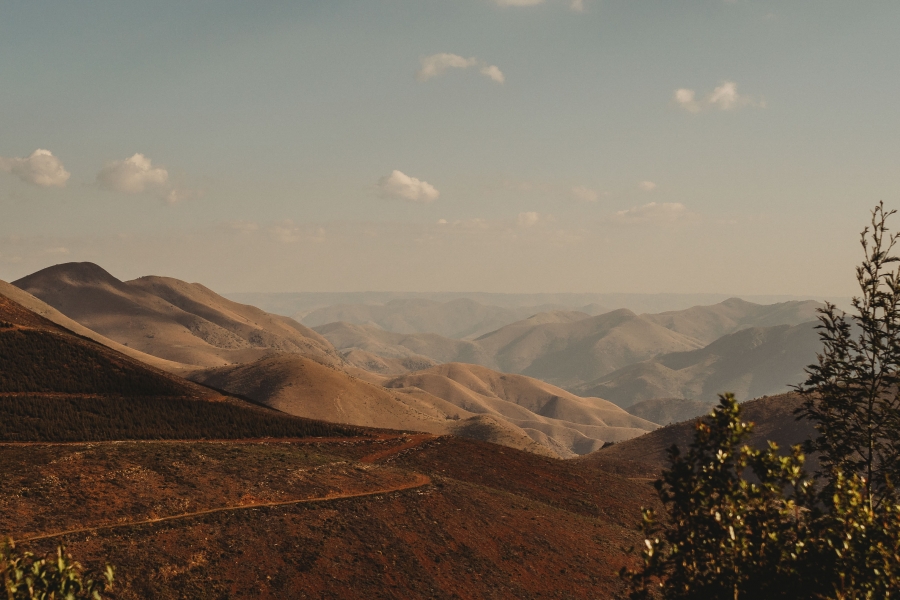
point(53, 577)
point(744, 523)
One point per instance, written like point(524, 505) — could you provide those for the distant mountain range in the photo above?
point(299, 304)
point(552, 382)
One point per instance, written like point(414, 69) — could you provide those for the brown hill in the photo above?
point(666, 411)
point(492, 522)
point(303, 387)
point(459, 318)
point(750, 363)
point(709, 323)
point(773, 418)
point(568, 424)
point(465, 400)
point(57, 386)
point(415, 349)
point(568, 350)
point(43, 309)
point(170, 319)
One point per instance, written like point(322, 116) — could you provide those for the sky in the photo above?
point(694, 146)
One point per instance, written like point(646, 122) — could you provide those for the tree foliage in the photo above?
point(52, 577)
point(748, 523)
point(852, 394)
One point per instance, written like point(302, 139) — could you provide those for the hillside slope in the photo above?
point(550, 415)
point(708, 323)
point(43, 309)
point(57, 386)
point(458, 319)
point(750, 363)
point(566, 349)
point(412, 349)
point(170, 319)
point(773, 418)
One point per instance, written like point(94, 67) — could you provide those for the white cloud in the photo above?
point(132, 175)
point(647, 186)
point(60, 250)
point(437, 64)
point(577, 5)
point(403, 187)
point(585, 194)
point(493, 72)
point(528, 219)
point(665, 213)
point(41, 168)
point(723, 97)
point(685, 98)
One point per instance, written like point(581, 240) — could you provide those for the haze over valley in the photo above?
point(405, 299)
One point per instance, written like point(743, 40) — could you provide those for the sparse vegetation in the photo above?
point(45, 361)
point(746, 523)
point(93, 418)
point(53, 577)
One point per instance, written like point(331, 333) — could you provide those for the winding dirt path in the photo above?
point(419, 480)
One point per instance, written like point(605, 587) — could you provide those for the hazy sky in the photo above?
point(457, 145)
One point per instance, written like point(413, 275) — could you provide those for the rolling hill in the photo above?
point(568, 424)
point(465, 400)
point(58, 386)
point(460, 318)
point(419, 350)
point(567, 349)
point(170, 319)
point(773, 418)
point(750, 363)
point(708, 323)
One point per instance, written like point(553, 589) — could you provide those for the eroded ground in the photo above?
point(442, 518)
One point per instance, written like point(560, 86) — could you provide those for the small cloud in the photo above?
point(442, 221)
point(584, 194)
point(685, 99)
point(647, 186)
point(528, 219)
point(41, 169)
point(132, 175)
point(401, 186)
point(493, 72)
point(576, 5)
point(723, 97)
point(518, 2)
point(58, 251)
point(437, 64)
point(664, 213)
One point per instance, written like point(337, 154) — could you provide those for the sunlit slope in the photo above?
point(39, 307)
point(569, 350)
point(750, 363)
point(56, 386)
point(414, 349)
point(552, 416)
point(170, 319)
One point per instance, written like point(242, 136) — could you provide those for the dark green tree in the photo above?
point(746, 523)
point(729, 529)
point(852, 394)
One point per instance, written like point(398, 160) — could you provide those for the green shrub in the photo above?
point(53, 577)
